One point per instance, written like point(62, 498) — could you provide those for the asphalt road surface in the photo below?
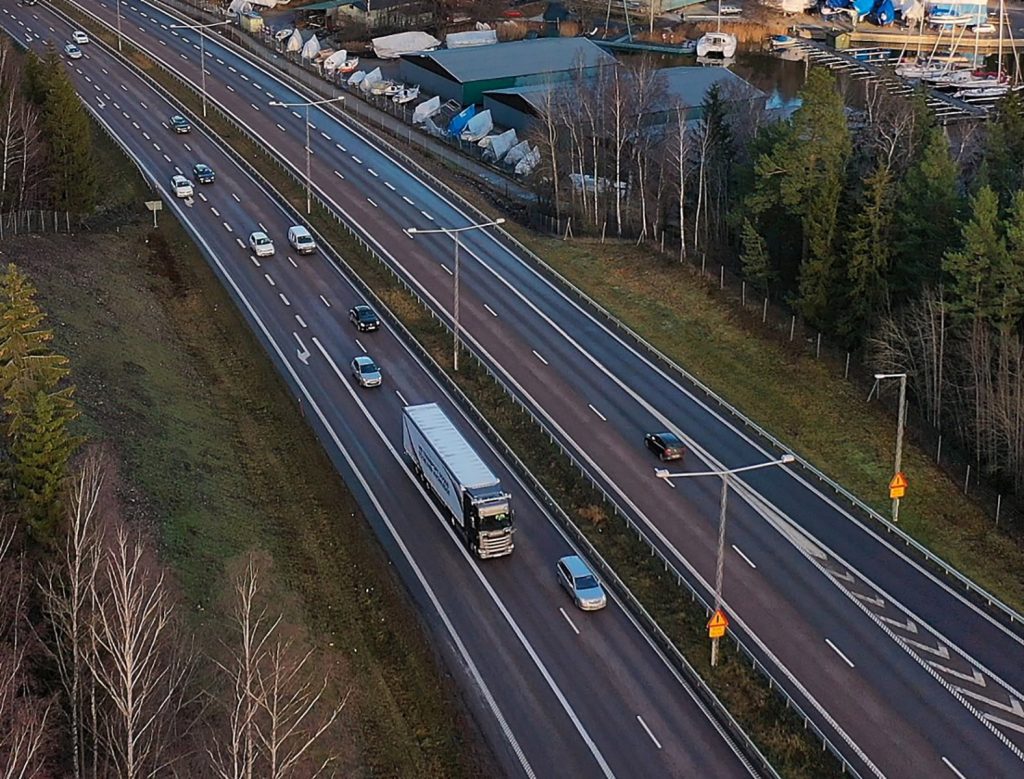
point(906, 676)
point(558, 692)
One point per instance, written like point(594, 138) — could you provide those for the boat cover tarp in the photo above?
point(884, 13)
point(336, 60)
point(294, 42)
point(530, 161)
point(500, 144)
point(517, 152)
point(461, 119)
point(389, 47)
point(463, 40)
point(311, 48)
point(477, 127)
point(239, 7)
point(426, 109)
point(370, 79)
point(912, 10)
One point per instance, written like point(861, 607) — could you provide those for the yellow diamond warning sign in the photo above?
point(898, 486)
point(717, 624)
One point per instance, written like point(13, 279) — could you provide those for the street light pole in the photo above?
point(202, 49)
point(724, 475)
point(453, 232)
point(119, 25)
point(307, 105)
point(900, 422)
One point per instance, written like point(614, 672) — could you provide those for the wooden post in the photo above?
point(938, 450)
point(764, 312)
point(743, 294)
point(846, 373)
point(721, 276)
point(792, 327)
point(999, 505)
point(967, 479)
point(817, 350)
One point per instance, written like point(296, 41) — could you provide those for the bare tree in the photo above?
point(68, 586)
point(140, 664)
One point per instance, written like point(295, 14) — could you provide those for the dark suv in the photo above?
point(666, 445)
point(363, 317)
point(180, 124)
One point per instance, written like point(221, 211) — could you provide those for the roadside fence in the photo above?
point(34, 221)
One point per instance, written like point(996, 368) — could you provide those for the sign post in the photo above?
point(717, 626)
point(897, 489)
point(154, 206)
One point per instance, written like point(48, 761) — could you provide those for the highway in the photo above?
point(556, 691)
point(907, 676)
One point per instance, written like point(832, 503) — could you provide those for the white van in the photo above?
point(300, 240)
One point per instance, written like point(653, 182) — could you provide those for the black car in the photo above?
point(666, 445)
point(180, 124)
point(363, 317)
point(203, 173)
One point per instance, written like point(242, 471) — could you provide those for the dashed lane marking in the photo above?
point(839, 652)
point(490, 310)
point(648, 730)
point(602, 416)
point(270, 281)
point(284, 299)
point(326, 302)
point(372, 203)
point(746, 559)
point(575, 629)
point(537, 355)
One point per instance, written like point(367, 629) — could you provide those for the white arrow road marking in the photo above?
point(869, 599)
point(940, 652)
point(649, 733)
point(976, 678)
point(575, 629)
point(302, 352)
point(1013, 707)
point(1000, 721)
point(907, 625)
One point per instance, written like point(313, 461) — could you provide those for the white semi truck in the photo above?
point(477, 505)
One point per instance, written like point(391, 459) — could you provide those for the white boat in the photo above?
point(997, 90)
point(948, 16)
point(407, 95)
point(349, 65)
point(477, 127)
point(720, 44)
point(282, 35)
point(921, 70)
point(393, 89)
point(381, 87)
point(356, 78)
point(782, 42)
point(982, 29)
point(334, 61)
point(426, 109)
point(372, 78)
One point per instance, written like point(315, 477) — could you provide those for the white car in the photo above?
point(79, 37)
point(731, 10)
point(182, 186)
point(73, 51)
point(261, 245)
point(300, 240)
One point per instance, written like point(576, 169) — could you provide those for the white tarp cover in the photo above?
point(267, 3)
point(517, 152)
point(528, 163)
point(370, 79)
point(311, 48)
point(477, 127)
point(335, 61)
point(389, 47)
point(500, 144)
point(239, 6)
point(426, 109)
point(294, 42)
point(462, 40)
point(912, 10)
point(356, 78)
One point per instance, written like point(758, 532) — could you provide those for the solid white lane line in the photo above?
point(428, 216)
point(737, 549)
point(284, 299)
point(235, 197)
point(372, 203)
point(294, 264)
point(299, 320)
point(360, 345)
point(269, 279)
point(326, 303)
point(575, 629)
point(644, 724)
point(953, 768)
point(490, 310)
point(537, 355)
point(838, 652)
point(228, 227)
point(402, 398)
point(603, 417)
point(339, 175)
point(407, 200)
point(446, 269)
point(389, 185)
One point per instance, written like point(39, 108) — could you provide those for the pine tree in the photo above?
point(1008, 278)
point(930, 203)
point(34, 77)
point(72, 167)
point(757, 266)
point(27, 363)
point(39, 459)
point(869, 256)
point(973, 293)
point(804, 174)
point(1004, 148)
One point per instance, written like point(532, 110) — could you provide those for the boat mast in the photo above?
point(999, 58)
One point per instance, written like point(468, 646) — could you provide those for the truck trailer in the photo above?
point(477, 506)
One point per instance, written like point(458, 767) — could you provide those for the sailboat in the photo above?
point(718, 43)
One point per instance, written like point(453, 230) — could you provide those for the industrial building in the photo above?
point(685, 88)
point(464, 75)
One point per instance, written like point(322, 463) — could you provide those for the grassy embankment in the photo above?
point(776, 730)
point(216, 457)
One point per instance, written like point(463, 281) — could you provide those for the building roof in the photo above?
point(509, 60)
point(685, 86)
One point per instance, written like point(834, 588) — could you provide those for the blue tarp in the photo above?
point(461, 119)
point(884, 13)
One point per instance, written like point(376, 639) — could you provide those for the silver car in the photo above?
point(579, 581)
point(366, 372)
